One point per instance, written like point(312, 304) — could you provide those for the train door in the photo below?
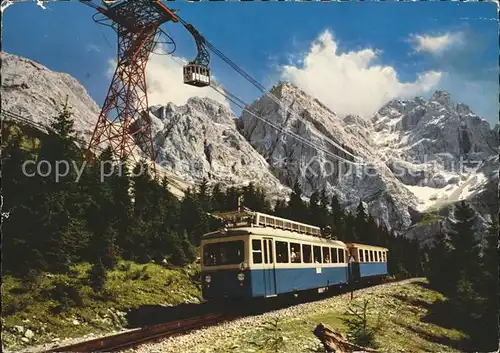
point(353, 270)
point(269, 270)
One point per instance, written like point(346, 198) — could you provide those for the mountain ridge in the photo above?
point(245, 148)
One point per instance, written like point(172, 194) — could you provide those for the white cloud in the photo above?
point(93, 47)
point(165, 81)
point(436, 45)
point(349, 83)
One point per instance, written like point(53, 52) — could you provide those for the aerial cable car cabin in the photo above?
point(196, 75)
point(196, 72)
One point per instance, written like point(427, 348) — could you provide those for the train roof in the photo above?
point(367, 247)
point(271, 232)
point(246, 217)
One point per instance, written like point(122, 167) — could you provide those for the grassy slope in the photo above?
point(129, 286)
point(402, 309)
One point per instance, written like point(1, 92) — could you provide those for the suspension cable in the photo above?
point(242, 105)
point(260, 87)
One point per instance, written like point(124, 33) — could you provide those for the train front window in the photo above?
point(227, 253)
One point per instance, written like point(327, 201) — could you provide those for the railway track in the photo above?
point(153, 333)
point(131, 339)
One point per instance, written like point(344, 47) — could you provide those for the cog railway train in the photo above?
point(258, 255)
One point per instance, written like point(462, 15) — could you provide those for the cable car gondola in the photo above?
point(196, 75)
point(196, 72)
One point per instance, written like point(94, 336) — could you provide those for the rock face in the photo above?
point(412, 156)
point(181, 132)
point(312, 161)
point(419, 130)
point(33, 91)
point(442, 152)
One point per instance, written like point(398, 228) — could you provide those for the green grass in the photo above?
point(428, 218)
point(403, 325)
point(38, 307)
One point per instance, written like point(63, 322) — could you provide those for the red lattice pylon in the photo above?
point(124, 121)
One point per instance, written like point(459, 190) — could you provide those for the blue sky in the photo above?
point(353, 56)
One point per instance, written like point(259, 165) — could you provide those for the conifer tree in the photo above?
point(218, 198)
point(97, 276)
point(254, 198)
point(281, 208)
point(193, 217)
point(22, 248)
point(337, 219)
point(231, 198)
point(439, 263)
point(349, 230)
point(323, 208)
point(204, 195)
point(314, 211)
point(120, 186)
point(59, 215)
point(360, 230)
point(465, 255)
point(487, 333)
point(297, 208)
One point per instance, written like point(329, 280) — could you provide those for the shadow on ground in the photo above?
point(148, 315)
point(460, 345)
point(441, 313)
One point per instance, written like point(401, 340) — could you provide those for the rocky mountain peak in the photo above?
point(34, 91)
point(441, 97)
point(211, 108)
point(397, 143)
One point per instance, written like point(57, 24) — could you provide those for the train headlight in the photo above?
point(208, 278)
point(241, 277)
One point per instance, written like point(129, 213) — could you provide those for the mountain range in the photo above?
point(413, 157)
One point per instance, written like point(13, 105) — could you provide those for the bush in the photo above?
point(67, 293)
point(97, 276)
point(272, 338)
point(359, 331)
point(125, 266)
point(133, 275)
point(17, 304)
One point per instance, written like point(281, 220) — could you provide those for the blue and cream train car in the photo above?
point(265, 256)
point(368, 261)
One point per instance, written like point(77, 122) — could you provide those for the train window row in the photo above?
point(299, 253)
point(372, 255)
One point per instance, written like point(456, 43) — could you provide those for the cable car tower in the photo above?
point(125, 113)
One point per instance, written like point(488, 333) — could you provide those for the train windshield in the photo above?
point(226, 253)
